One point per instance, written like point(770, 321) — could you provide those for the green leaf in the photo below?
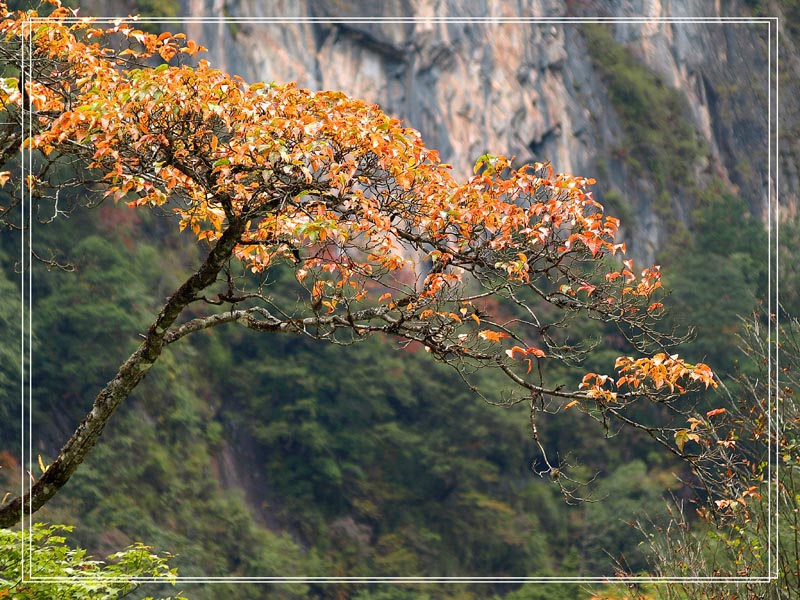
point(487, 160)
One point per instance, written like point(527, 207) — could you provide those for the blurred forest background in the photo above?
point(254, 455)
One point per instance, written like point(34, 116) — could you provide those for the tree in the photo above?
point(755, 533)
point(378, 233)
point(48, 556)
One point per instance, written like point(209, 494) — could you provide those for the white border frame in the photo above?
point(772, 304)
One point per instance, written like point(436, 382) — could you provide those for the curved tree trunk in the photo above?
point(130, 373)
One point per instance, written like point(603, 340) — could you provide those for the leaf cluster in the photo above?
point(45, 556)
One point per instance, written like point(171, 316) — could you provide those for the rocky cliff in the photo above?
point(521, 78)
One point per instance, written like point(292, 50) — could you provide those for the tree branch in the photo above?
point(132, 371)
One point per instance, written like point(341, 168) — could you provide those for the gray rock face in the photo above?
point(516, 78)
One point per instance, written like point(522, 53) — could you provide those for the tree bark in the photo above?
point(130, 373)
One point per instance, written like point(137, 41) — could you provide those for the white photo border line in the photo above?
point(773, 142)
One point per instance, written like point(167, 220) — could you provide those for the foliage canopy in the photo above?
point(378, 233)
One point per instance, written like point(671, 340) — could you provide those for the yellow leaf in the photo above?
point(681, 437)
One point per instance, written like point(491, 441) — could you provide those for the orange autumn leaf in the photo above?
point(515, 350)
point(492, 336)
